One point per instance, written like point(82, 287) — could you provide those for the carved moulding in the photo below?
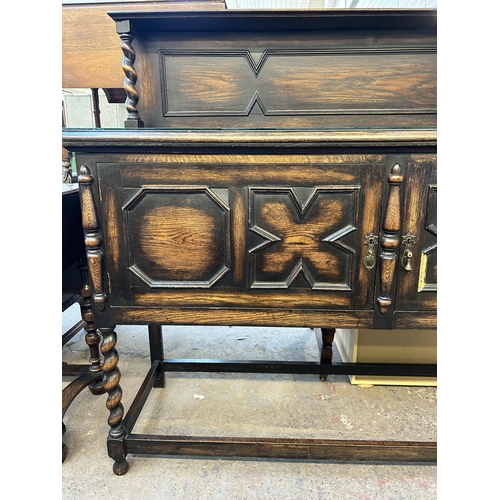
point(389, 241)
point(93, 239)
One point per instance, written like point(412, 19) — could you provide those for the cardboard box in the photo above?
point(388, 346)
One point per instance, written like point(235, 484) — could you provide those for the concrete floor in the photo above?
point(255, 405)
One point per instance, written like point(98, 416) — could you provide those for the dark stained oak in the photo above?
point(298, 449)
point(327, 336)
point(238, 69)
point(276, 168)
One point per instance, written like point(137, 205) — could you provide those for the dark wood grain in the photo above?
point(417, 289)
point(389, 241)
point(344, 75)
point(280, 141)
point(150, 140)
point(73, 248)
point(93, 239)
point(299, 449)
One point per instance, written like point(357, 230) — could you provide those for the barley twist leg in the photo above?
point(117, 432)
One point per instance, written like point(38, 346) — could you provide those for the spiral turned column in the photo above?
point(133, 119)
point(116, 448)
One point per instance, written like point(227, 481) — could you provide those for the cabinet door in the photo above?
point(284, 232)
point(417, 277)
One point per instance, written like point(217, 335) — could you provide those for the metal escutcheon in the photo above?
point(407, 258)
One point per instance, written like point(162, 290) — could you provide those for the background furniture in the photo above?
point(289, 179)
point(91, 52)
point(76, 289)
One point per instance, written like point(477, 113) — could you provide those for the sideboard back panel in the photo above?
point(281, 79)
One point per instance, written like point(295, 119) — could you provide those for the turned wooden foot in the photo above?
point(327, 335)
point(97, 388)
point(120, 468)
point(64, 448)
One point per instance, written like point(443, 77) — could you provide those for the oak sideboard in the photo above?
point(276, 168)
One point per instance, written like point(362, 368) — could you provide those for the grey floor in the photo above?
point(255, 405)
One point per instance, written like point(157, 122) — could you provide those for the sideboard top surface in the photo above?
point(145, 139)
point(281, 19)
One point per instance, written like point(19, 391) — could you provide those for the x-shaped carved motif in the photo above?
point(299, 245)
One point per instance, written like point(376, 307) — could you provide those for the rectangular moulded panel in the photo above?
point(322, 82)
point(287, 79)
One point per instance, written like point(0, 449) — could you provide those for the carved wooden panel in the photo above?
point(280, 231)
point(417, 286)
point(305, 77)
point(177, 236)
point(344, 81)
point(304, 237)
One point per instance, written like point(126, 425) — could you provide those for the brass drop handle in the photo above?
point(371, 255)
point(407, 260)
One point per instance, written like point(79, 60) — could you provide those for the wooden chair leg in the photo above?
point(91, 375)
point(92, 337)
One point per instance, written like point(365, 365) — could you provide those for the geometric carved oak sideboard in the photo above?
point(277, 168)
